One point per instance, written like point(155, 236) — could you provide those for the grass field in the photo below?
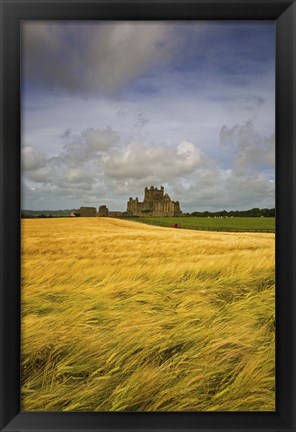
point(211, 223)
point(122, 316)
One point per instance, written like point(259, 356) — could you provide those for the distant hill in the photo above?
point(45, 213)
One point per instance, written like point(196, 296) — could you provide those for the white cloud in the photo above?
point(89, 145)
point(251, 148)
point(32, 159)
point(95, 140)
point(163, 162)
point(40, 175)
point(218, 189)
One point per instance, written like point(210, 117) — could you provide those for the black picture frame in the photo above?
point(284, 13)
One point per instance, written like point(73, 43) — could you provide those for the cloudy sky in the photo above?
point(111, 107)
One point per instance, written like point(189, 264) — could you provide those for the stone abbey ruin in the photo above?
point(155, 203)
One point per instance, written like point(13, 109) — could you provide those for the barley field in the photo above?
point(122, 316)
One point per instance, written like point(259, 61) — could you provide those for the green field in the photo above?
point(212, 223)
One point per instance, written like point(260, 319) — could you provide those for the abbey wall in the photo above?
point(87, 211)
point(103, 211)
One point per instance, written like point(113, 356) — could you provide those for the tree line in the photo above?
point(254, 212)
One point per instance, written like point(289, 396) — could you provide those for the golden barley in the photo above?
point(119, 316)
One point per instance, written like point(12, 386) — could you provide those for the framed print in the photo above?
point(147, 215)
